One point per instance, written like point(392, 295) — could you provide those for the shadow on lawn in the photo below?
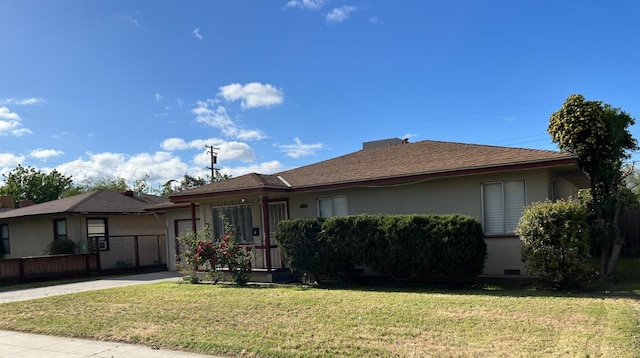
point(627, 286)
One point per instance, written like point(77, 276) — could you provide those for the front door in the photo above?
point(277, 213)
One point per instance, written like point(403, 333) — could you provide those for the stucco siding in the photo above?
point(455, 195)
point(503, 253)
point(29, 238)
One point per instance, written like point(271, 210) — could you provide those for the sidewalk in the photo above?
point(24, 345)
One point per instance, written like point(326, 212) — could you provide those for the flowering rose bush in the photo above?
point(199, 252)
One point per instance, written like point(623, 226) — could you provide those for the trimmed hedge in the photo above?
point(450, 247)
point(555, 243)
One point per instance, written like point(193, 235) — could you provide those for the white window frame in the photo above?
point(337, 205)
point(502, 207)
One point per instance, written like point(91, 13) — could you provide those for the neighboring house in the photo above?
point(114, 221)
point(492, 184)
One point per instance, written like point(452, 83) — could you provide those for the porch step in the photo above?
point(275, 276)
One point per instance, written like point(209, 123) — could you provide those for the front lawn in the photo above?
point(294, 321)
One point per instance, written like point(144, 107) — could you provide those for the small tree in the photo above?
point(555, 238)
point(599, 135)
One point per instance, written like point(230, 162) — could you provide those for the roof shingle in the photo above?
point(388, 162)
point(93, 202)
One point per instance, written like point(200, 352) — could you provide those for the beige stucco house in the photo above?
point(490, 183)
point(115, 221)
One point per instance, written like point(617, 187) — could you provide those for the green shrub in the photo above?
point(555, 237)
point(347, 239)
point(399, 246)
point(449, 246)
point(302, 245)
point(60, 247)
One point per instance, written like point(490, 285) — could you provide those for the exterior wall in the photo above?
point(30, 237)
point(457, 195)
point(134, 225)
point(462, 195)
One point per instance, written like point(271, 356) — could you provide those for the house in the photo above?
point(490, 183)
point(115, 222)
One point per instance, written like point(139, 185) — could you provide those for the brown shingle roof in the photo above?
point(252, 181)
point(411, 159)
point(389, 163)
point(94, 202)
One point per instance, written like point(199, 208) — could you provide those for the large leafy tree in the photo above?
point(28, 183)
point(102, 183)
point(190, 182)
point(599, 135)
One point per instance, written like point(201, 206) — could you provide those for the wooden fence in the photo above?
point(121, 254)
point(48, 267)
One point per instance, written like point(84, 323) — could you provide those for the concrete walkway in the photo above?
point(16, 344)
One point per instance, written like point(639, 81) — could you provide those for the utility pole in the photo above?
point(214, 160)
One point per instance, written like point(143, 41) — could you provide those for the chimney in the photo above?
point(6, 202)
point(384, 143)
point(25, 203)
point(128, 193)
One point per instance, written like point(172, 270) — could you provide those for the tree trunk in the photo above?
point(617, 241)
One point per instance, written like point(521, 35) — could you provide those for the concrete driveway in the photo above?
point(24, 345)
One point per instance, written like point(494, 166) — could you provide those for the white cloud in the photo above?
point(21, 131)
point(226, 150)
point(10, 160)
point(159, 98)
point(219, 118)
point(340, 14)
point(196, 33)
point(44, 154)
point(21, 101)
point(6, 114)
point(159, 167)
point(253, 94)
point(305, 4)
point(172, 144)
point(261, 168)
point(374, 20)
point(10, 123)
point(215, 118)
point(299, 149)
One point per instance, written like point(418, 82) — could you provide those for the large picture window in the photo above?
point(502, 206)
point(334, 206)
point(4, 238)
point(239, 217)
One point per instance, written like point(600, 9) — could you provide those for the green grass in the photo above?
point(295, 321)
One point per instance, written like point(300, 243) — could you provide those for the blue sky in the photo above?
point(138, 88)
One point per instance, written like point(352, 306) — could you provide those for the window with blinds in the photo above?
point(502, 206)
point(334, 206)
